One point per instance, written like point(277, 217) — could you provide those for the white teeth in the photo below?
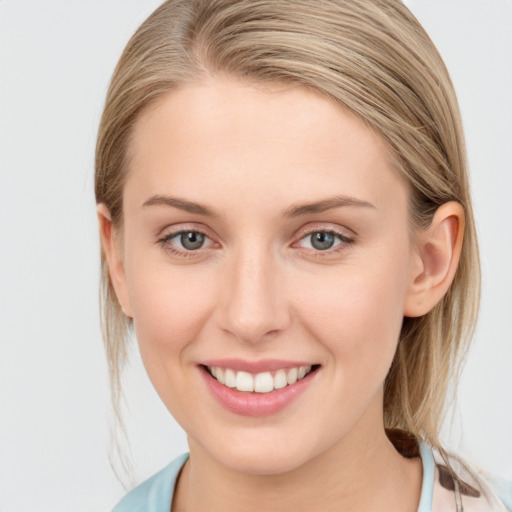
point(303, 370)
point(280, 379)
point(262, 382)
point(244, 381)
point(291, 376)
point(230, 378)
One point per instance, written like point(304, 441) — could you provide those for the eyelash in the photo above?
point(345, 242)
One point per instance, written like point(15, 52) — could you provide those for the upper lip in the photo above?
point(264, 365)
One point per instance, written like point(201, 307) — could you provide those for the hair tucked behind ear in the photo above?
point(370, 56)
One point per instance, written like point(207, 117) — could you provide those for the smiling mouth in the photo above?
point(264, 382)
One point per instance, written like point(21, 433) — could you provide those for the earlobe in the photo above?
point(114, 258)
point(438, 251)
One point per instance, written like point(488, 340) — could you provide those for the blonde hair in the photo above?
point(370, 56)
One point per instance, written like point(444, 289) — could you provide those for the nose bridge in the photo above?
point(254, 306)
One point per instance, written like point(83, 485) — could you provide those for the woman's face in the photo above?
point(264, 230)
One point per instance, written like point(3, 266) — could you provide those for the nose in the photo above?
point(254, 306)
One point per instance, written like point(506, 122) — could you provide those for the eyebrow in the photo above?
point(324, 205)
point(293, 211)
point(181, 204)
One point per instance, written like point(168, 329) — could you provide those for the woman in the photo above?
point(286, 223)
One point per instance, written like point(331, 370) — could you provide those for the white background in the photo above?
point(56, 58)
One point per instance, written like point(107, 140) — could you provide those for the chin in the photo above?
point(265, 457)
point(263, 464)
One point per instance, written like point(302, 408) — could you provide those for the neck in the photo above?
point(362, 472)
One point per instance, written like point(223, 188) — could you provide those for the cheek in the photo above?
point(169, 306)
point(357, 313)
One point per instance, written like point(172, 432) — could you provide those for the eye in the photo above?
point(323, 240)
point(185, 241)
point(191, 240)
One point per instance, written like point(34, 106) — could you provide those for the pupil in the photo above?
point(322, 241)
point(192, 240)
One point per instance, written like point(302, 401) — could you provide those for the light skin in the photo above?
point(259, 288)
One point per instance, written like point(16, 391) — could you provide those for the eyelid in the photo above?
point(343, 232)
point(183, 226)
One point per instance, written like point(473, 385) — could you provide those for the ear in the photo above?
point(112, 251)
point(437, 256)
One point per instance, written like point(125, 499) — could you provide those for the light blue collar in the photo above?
point(155, 494)
point(427, 486)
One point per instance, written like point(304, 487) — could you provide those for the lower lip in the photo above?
point(256, 404)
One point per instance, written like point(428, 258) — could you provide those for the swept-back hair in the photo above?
point(370, 56)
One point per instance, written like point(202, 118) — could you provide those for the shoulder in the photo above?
point(503, 488)
point(472, 491)
point(154, 494)
point(496, 490)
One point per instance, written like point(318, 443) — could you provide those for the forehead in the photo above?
point(285, 141)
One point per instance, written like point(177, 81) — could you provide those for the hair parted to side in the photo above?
point(370, 56)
